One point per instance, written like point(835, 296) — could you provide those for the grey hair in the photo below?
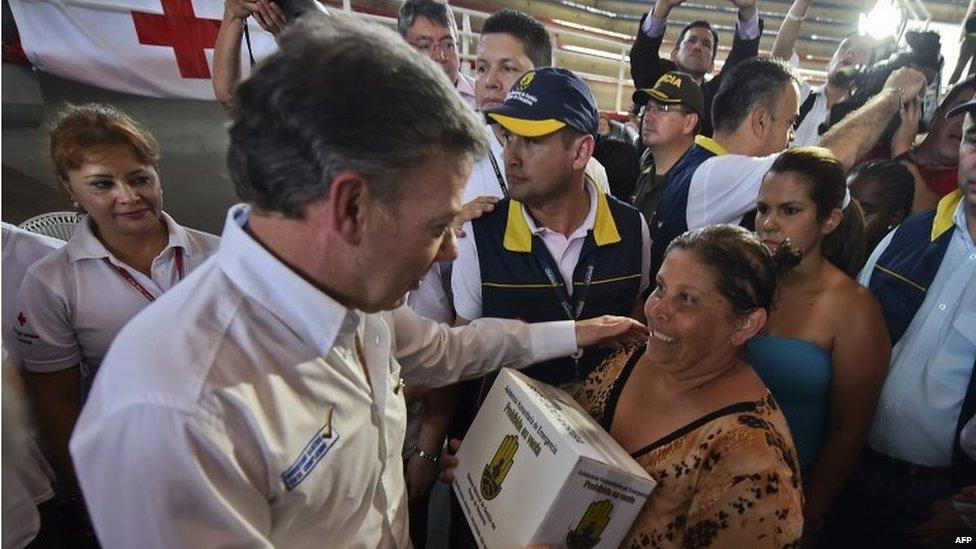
point(342, 95)
point(436, 10)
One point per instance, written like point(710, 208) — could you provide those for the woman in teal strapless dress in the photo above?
point(825, 352)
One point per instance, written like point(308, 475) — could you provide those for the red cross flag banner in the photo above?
point(156, 48)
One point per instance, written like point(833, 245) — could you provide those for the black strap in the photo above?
point(498, 174)
point(806, 107)
point(247, 41)
point(573, 307)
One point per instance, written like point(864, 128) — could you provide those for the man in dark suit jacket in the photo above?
point(694, 51)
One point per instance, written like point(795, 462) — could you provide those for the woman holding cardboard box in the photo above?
point(691, 411)
point(689, 408)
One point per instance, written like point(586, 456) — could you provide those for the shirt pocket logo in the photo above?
point(313, 452)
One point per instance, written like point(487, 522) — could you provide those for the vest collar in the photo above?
point(710, 145)
point(945, 213)
point(518, 235)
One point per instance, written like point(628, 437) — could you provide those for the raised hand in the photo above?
point(268, 14)
point(909, 81)
point(904, 136)
point(747, 8)
point(663, 7)
point(473, 210)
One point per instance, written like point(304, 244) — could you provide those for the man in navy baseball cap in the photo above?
point(557, 247)
point(546, 100)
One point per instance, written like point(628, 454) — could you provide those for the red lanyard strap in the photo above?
point(131, 281)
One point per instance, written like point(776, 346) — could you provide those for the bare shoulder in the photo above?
point(853, 309)
point(845, 295)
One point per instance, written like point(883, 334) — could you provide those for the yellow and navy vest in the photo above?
point(900, 281)
point(671, 219)
point(514, 283)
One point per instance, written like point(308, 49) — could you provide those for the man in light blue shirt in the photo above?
point(924, 276)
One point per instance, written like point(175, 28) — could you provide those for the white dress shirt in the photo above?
point(466, 274)
point(931, 364)
point(235, 410)
point(72, 303)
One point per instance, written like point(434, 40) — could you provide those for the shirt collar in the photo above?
point(314, 316)
point(85, 245)
point(520, 226)
point(949, 212)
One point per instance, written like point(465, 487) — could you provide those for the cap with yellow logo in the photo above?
point(545, 100)
point(674, 87)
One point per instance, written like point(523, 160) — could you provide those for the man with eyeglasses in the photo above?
point(429, 26)
point(670, 117)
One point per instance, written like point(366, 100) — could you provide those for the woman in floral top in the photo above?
point(691, 411)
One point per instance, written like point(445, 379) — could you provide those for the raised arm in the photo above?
point(851, 138)
point(227, 50)
point(645, 60)
point(745, 39)
point(785, 42)
point(901, 144)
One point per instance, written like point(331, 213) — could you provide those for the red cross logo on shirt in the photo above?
point(21, 319)
point(179, 28)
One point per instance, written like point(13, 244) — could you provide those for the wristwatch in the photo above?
point(424, 454)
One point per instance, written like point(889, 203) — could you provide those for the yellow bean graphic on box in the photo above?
point(587, 532)
point(497, 469)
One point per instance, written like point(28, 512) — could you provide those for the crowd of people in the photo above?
point(771, 307)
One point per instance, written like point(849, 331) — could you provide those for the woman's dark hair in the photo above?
point(743, 268)
point(898, 181)
point(827, 184)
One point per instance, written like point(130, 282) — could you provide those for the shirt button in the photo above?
point(972, 257)
point(942, 306)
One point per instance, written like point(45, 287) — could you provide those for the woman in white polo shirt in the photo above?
point(124, 254)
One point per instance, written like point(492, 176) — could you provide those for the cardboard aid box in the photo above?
point(536, 468)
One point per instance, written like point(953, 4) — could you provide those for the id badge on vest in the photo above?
point(572, 311)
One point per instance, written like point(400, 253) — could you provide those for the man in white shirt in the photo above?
point(753, 113)
point(259, 404)
point(816, 102)
point(924, 277)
